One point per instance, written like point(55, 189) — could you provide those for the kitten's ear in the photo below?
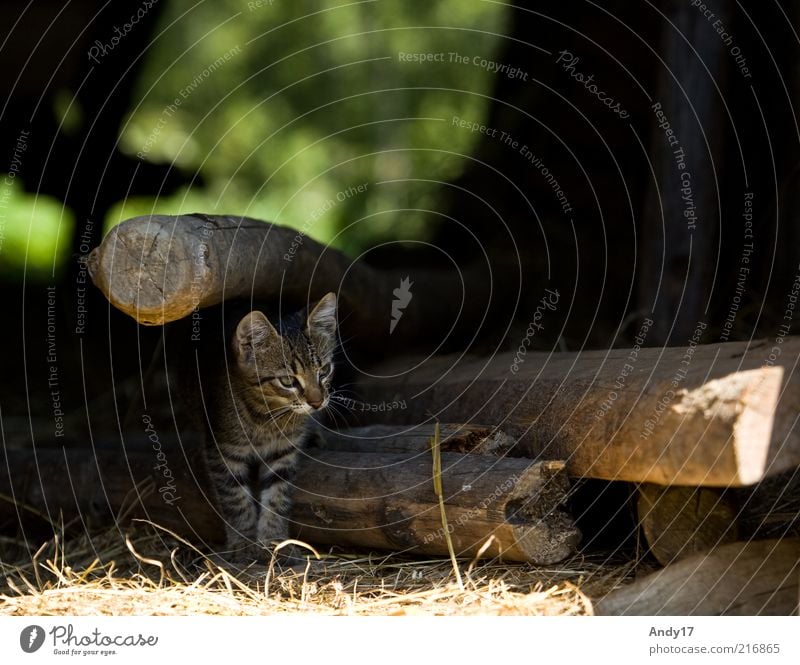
point(253, 331)
point(322, 319)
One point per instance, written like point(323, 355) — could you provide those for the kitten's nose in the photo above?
point(315, 402)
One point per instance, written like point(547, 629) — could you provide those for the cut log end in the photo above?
point(543, 533)
point(553, 539)
point(146, 269)
point(681, 521)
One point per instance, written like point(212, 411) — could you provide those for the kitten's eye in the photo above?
point(287, 381)
point(325, 371)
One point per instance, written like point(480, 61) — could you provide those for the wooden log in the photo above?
point(414, 440)
point(109, 484)
point(738, 579)
point(678, 522)
point(393, 506)
point(161, 268)
point(381, 501)
point(707, 415)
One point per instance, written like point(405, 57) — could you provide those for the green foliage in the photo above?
point(35, 233)
point(308, 100)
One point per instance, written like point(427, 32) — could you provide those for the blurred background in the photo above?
point(541, 140)
point(298, 113)
point(269, 112)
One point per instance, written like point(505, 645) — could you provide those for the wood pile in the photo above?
point(684, 424)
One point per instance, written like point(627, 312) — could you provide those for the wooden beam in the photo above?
point(738, 579)
point(383, 501)
point(92, 487)
point(455, 438)
point(387, 502)
point(161, 268)
point(705, 415)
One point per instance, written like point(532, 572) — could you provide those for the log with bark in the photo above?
point(742, 579)
point(705, 415)
point(414, 440)
point(495, 507)
point(676, 522)
point(161, 268)
point(343, 498)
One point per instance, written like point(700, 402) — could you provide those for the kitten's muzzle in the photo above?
point(316, 403)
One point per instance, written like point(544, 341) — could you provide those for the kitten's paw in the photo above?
point(240, 559)
point(291, 556)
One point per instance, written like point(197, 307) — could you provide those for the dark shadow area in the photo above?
point(581, 177)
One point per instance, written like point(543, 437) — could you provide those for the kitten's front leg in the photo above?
point(274, 481)
point(230, 479)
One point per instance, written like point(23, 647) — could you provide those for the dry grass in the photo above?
point(148, 572)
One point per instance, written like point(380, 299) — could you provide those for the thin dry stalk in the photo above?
point(150, 572)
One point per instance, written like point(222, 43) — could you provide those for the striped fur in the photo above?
point(278, 376)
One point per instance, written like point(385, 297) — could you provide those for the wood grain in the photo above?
point(737, 579)
point(709, 415)
point(370, 500)
point(161, 268)
point(678, 522)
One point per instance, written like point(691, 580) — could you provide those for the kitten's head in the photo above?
point(288, 366)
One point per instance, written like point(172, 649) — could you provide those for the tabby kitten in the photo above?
point(259, 414)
